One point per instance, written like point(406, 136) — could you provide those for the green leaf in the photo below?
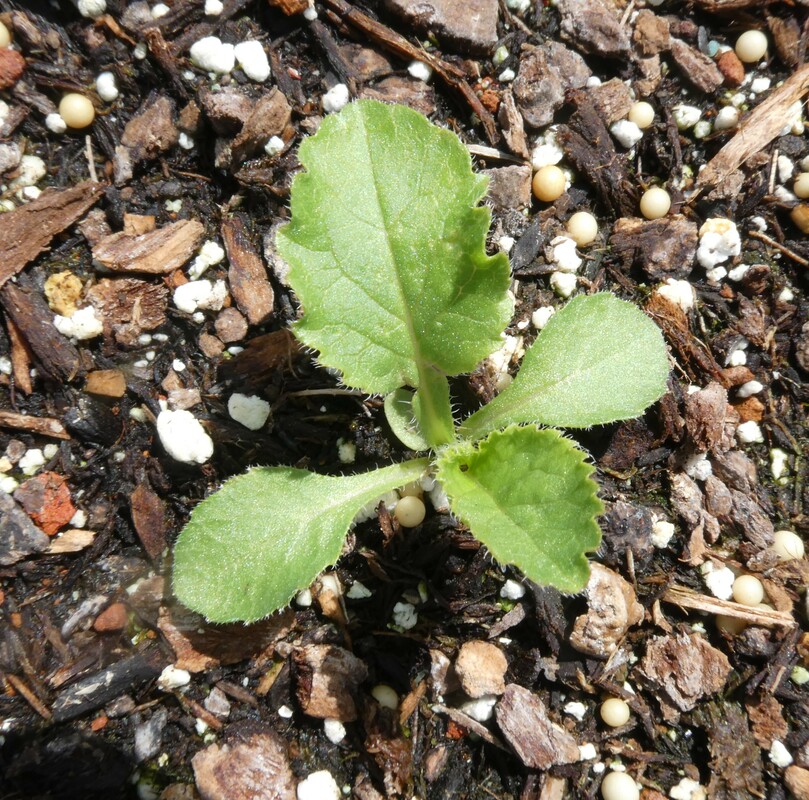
point(402, 420)
point(527, 494)
point(387, 250)
point(598, 360)
point(267, 534)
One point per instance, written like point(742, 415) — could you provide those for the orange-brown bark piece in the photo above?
point(106, 383)
point(44, 426)
point(290, 7)
point(20, 359)
point(46, 499)
point(28, 229)
point(12, 66)
point(247, 274)
point(149, 517)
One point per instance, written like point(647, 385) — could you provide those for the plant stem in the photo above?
point(432, 408)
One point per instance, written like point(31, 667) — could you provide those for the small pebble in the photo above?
point(213, 55)
point(106, 87)
point(319, 786)
point(386, 696)
point(615, 712)
point(732, 626)
point(751, 46)
point(747, 590)
point(336, 99)
point(655, 203)
point(582, 227)
point(92, 9)
point(787, 545)
point(626, 132)
point(335, 730)
point(173, 678)
point(480, 709)
point(253, 60)
point(619, 786)
point(405, 616)
point(642, 114)
point(801, 185)
point(563, 283)
point(727, 118)
point(183, 437)
point(576, 710)
point(540, 317)
point(512, 590)
point(420, 71)
point(76, 110)
point(749, 433)
point(410, 512)
point(248, 410)
point(548, 184)
point(55, 124)
point(779, 755)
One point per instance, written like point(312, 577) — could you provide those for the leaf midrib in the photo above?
point(407, 317)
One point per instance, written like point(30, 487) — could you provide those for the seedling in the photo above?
point(387, 257)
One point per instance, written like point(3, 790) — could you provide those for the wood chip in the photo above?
point(247, 274)
point(766, 720)
point(611, 610)
point(696, 67)
point(481, 668)
point(736, 764)
point(681, 670)
point(270, 117)
point(756, 131)
point(20, 359)
point(243, 770)
point(149, 518)
point(28, 229)
point(539, 742)
point(137, 224)
point(458, 716)
point(693, 355)
point(106, 383)
point(262, 356)
point(200, 645)
point(22, 689)
point(71, 541)
point(57, 357)
point(588, 144)
point(327, 680)
point(688, 598)
point(46, 499)
point(290, 7)
point(128, 307)
point(44, 426)
point(157, 252)
point(661, 248)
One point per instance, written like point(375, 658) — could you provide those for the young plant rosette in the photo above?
point(386, 247)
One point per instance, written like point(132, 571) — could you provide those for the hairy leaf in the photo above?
point(598, 360)
point(527, 494)
point(402, 420)
point(387, 250)
point(265, 535)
